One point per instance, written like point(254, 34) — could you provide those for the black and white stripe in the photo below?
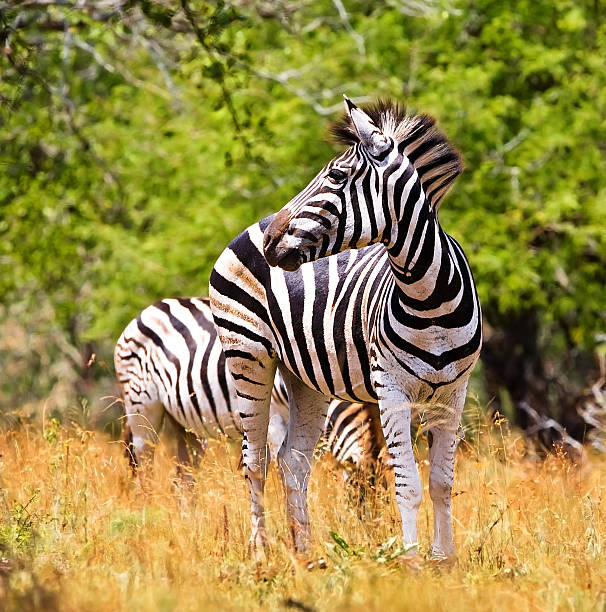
point(169, 362)
point(354, 437)
point(354, 291)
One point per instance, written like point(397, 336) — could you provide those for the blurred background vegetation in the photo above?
point(137, 138)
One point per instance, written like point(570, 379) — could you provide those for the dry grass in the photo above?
point(76, 533)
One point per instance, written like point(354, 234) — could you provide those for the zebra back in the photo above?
point(170, 355)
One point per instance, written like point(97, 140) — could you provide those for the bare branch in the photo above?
point(543, 422)
point(128, 76)
point(417, 8)
point(159, 58)
point(593, 409)
point(227, 97)
point(284, 80)
point(358, 38)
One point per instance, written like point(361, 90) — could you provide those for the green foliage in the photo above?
point(17, 530)
point(51, 430)
point(127, 168)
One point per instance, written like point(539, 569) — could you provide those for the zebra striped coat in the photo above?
point(169, 361)
point(354, 291)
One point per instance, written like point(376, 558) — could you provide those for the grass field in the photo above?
point(76, 533)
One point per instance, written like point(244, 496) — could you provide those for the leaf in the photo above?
point(341, 544)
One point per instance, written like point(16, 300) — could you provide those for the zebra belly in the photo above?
point(194, 412)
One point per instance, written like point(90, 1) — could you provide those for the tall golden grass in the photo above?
point(77, 533)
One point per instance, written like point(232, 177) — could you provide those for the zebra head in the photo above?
point(360, 197)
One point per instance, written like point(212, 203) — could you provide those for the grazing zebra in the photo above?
point(354, 436)
point(169, 363)
point(354, 291)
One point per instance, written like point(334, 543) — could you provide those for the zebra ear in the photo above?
point(368, 132)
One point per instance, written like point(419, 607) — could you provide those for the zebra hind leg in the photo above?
point(308, 411)
point(129, 449)
point(187, 444)
point(197, 447)
point(190, 450)
point(184, 465)
point(144, 422)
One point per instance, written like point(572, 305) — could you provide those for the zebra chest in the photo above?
point(334, 360)
point(419, 361)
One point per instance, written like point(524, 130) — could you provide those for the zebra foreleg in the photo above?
point(255, 459)
point(395, 419)
point(253, 403)
point(441, 475)
point(308, 411)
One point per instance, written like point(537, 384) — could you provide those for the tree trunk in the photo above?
point(513, 360)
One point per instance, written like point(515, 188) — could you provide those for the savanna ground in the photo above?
point(77, 533)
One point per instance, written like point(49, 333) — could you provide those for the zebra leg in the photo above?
point(188, 444)
point(308, 410)
point(253, 403)
point(395, 419)
point(276, 434)
point(144, 422)
point(183, 458)
point(197, 447)
point(129, 449)
point(443, 442)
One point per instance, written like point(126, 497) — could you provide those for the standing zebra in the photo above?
point(353, 290)
point(169, 361)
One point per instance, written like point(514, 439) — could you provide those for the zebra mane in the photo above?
point(435, 159)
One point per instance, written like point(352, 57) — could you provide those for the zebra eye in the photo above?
point(337, 176)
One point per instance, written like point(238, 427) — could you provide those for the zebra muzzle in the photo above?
point(276, 252)
point(287, 259)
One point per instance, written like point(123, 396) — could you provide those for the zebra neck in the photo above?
point(427, 276)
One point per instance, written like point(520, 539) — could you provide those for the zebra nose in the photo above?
point(276, 229)
point(273, 235)
point(267, 240)
point(271, 248)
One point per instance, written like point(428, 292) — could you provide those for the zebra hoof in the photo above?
point(412, 563)
point(441, 562)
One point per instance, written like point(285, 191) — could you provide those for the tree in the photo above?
point(139, 137)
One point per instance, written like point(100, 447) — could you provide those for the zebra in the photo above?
point(170, 364)
point(354, 291)
point(354, 436)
